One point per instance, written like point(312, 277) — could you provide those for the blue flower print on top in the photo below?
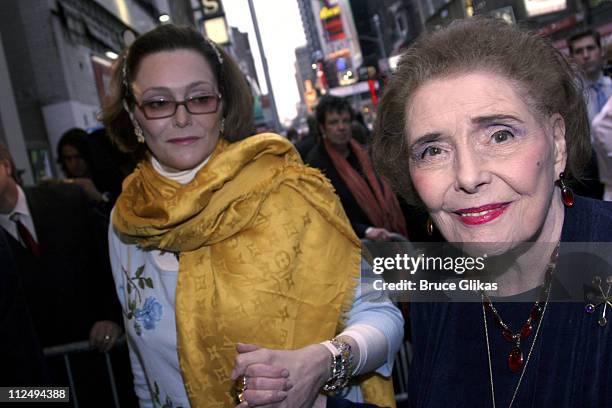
point(150, 313)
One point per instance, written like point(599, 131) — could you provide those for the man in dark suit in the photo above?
point(61, 258)
point(20, 351)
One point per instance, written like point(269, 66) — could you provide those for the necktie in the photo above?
point(601, 96)
point(26, 236)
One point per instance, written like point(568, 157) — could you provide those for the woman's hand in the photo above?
point(377, 234)
point(104, 334)
point(271, 373)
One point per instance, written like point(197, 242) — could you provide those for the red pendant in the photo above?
point(515, 359)
point(507, 335)
point(526, 331)
point(567, 195)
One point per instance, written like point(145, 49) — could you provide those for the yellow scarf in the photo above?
point(266, 257)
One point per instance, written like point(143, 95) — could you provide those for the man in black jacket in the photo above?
point(61, 258)
point(20, 351)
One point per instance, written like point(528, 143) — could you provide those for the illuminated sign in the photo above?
point(216, 30)
point(213, 21)
point(329, 12)
point(337, 30)
point(212, 8)
point(539, 7)
point(331, 20)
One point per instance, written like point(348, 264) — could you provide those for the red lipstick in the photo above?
point(481, 215)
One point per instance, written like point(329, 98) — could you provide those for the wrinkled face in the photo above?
point(482, 162)
point(184, 140)
point(73, 162)
point(588, 55)
point(337, 127)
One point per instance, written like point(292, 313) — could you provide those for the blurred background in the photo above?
point(56, 55)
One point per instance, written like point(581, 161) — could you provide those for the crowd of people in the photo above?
point(232, 261)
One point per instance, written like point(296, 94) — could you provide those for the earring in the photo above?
point(222, 127)
point(139, 135)
point(137, 129)
point(567, 195)
point(429, 226)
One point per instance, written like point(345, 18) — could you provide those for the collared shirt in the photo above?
point(23, 213)
point(603, 85)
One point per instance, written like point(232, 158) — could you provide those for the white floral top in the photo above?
point(146, 288)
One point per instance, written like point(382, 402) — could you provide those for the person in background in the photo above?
point(54, 238)
point(230, 257)
point(308, 141)
point(292, 135)
point(588, 54)
point(586, 50)
point(109, 166)
point(602, 141)
point(360, 129)
point(483, 124)
point(90, 161)
point(73, 152)
point(368, 201)
point(607, 68)
point(20, 351)
point(360, 133)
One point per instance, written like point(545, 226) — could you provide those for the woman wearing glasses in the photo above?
point(230, 257)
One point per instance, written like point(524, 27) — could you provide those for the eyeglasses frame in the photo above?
point(180, 103)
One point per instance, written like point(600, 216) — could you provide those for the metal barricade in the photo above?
point(68, 349)
point(400, 371)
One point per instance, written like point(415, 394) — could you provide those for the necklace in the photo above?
point(515, 358)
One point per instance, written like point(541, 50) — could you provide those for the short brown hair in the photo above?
point(582, 34)
point(233, 86)
point(546, 82)
point(329, 104)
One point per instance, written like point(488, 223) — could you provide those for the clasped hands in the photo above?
point(282, 378)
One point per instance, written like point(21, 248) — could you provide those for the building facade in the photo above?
point(556, 19)
point(58, 57)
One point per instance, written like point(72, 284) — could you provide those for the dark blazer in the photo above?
point(70, 286)
point(20, 351)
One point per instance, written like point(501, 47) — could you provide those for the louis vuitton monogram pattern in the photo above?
point(267, 256)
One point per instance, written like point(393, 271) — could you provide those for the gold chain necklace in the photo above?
point(547, 286)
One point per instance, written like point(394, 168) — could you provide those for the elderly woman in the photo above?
point(229, 256)
point(483, 125)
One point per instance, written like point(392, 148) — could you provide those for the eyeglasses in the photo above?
point(196, 105)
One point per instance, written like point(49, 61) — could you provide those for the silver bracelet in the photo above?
point(341, 365)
